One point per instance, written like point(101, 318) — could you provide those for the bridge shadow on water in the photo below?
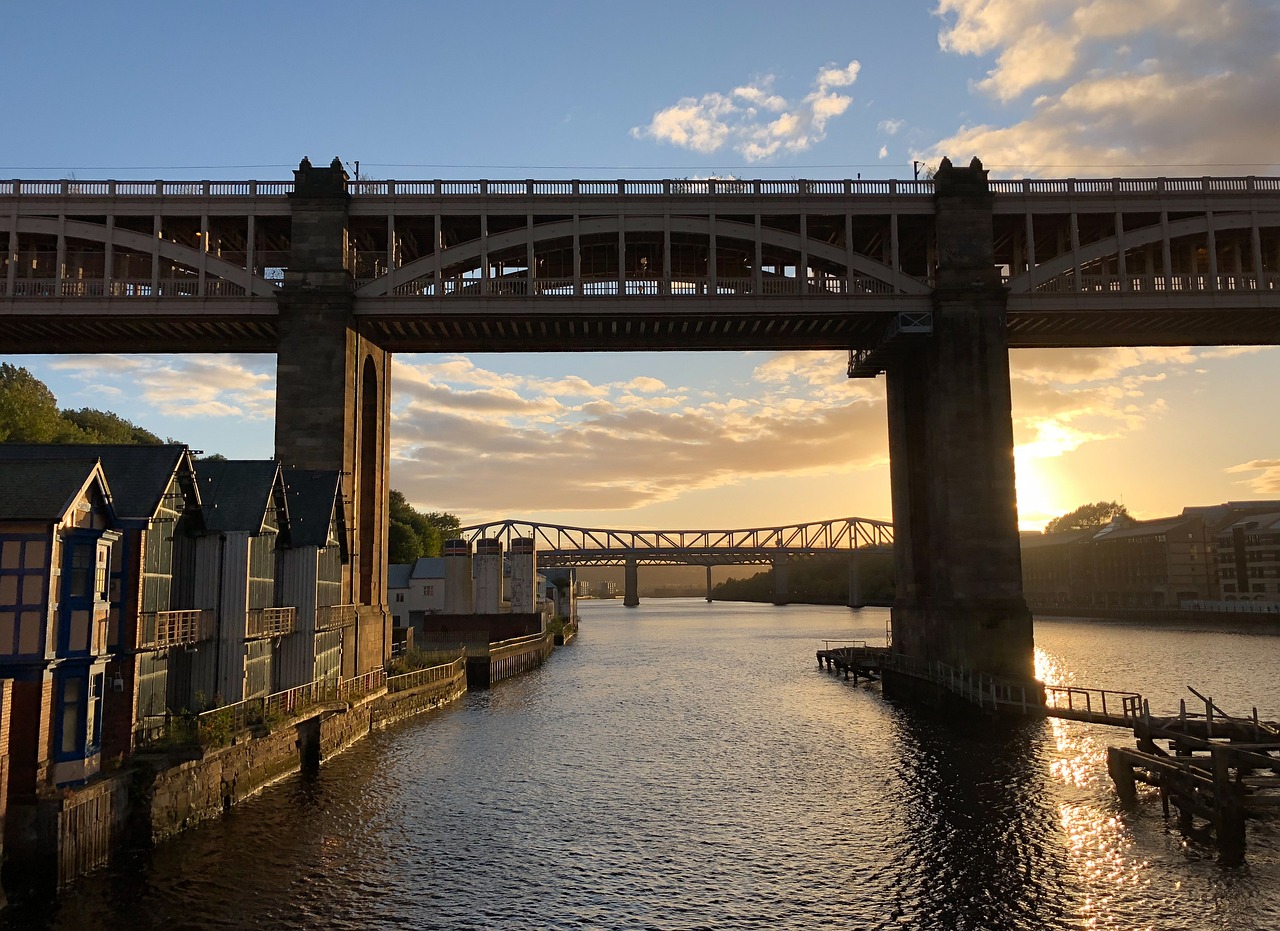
point(983, 844)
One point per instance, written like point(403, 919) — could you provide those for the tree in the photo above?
point(1088, 515)
point(29, 414)
point(106, 427)
point(412, 534)
point(28, 410)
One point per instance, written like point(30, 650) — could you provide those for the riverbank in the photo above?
point(158, 795)
point(1168, 617)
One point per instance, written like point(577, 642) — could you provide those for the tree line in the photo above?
point(817, 580)
point(29, 413)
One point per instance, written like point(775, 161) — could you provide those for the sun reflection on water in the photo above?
point(1099, 841)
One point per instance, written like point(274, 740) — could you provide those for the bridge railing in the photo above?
point(1092, 284)
point(711, 187)
point(1104, 702)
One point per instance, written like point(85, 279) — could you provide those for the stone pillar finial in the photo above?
point(950, 180)
point(309, 181)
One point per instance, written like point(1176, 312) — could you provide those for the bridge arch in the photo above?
point(1143, 236)
point(473, 250)
point(144, 244)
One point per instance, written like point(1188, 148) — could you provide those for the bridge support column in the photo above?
point(333, 398)
point(956, 548)
point(708, 585)
point(781, 581)
point(631, 584)
point(855, 581)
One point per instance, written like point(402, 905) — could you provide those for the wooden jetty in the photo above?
point(856, 657)
point(1213, 766)
point(1208, 765)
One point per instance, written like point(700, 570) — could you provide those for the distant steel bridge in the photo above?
point(559, 545)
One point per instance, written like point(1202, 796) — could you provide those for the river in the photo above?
point(685, 765)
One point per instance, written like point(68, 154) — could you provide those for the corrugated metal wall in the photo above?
point(296, 587)
point(257, 668)
point(153, 691)
point(328, 655)
point(232, 606)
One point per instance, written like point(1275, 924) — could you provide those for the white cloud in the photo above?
point(884, 151)
point(1126, 86)
point(213, 385)
point(755, 120)
point(890, 127)
point(1267, 481)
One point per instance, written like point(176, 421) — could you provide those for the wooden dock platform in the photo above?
point(1208, 765)
point(1212, 766)
point(856, 658)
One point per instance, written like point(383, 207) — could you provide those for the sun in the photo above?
point(1037, 496)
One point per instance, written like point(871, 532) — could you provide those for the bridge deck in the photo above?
point(440, 265)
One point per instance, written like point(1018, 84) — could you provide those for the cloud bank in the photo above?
point(1125, 86)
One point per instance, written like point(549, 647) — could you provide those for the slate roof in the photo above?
point(398, 575)
point(429, 567)
point(1140, 528)
point(312, 495)
point(236, 493)
point(42, 489)
point(138, 475)
point(1263, 522)
point(1032, 541)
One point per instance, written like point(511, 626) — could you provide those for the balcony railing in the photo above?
point(330, 617)
point(270, 622)
point(160, 629)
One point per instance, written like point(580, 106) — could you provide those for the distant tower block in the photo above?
point(523, 575)
point(457, 577)
point(488, 576)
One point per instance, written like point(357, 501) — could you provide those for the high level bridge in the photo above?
point(558, 545)
point(928, 281)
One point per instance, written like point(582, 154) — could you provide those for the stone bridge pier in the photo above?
point(959, 595)
point(631, 584)
point(333, 398)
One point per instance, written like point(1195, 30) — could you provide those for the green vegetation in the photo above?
point(29, 413)
point(215, 729)
point(413, 660)
point(817, 580)
point(412, 534)
point(1088, 515)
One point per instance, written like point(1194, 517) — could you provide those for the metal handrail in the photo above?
point(1082, 699)
point(421, 677)
point(160, 629)
point(648, 188)
point(330, 617)
point(270, 622)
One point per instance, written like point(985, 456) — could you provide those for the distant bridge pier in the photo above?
point(631, 584)
point(855, 581)
point(781, 581)
point(708, 585)
point(333, 397)
point(959, 596)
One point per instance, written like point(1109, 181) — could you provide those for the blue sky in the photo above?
point(607, 90)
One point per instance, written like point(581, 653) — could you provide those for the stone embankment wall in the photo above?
point(199, 789)
point(155, 798)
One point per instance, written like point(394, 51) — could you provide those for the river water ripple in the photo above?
point(686, 766)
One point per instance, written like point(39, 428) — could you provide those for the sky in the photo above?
point(859, 88)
